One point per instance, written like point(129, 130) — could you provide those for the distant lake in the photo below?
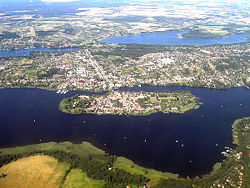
point(172, 38)
point(199, 130)
point(26, 52)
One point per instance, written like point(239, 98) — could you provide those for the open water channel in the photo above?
point(173, 38)
point(188, 144)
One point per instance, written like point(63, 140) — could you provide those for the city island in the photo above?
point(131, 103)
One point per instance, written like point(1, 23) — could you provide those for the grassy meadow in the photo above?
point(131, 167)
point(34, 171)
point(77, 178)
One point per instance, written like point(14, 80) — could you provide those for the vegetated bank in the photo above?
point(232, 172)
point(84, 159)
point(131, 103)
point(84, 164)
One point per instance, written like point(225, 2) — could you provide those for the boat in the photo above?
point(62, 91)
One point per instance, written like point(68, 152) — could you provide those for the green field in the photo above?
point(133, 168)
point(188, 107)
point(79, 179)
point(83, 149)
point(167, 98)
point(34, 171)
point(44, 171)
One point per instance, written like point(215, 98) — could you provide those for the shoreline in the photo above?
point(124, 87)
point(235, 158)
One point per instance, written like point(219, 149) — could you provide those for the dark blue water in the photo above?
point(199, 130)
point(172, 38)
point(26, 52)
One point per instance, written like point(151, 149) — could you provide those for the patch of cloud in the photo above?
point(57, 1)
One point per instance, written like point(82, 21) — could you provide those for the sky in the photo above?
point(49, 1)
point(152, 0)
point(123, 0)
point(30, 2)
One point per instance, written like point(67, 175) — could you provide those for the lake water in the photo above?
point(26, 52)
point(172, 38)
point(199, 131)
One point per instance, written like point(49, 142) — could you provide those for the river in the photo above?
point(188, 144)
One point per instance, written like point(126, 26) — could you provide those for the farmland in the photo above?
point(34, 171)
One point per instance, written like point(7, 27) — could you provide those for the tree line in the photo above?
point(95, 168)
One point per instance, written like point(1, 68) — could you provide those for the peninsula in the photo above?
point(130, 103)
